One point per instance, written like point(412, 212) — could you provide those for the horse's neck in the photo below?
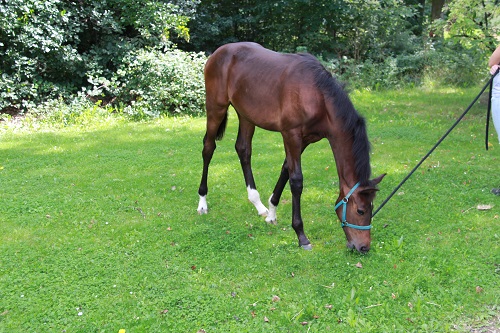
point(344, 161)
point(341, 143)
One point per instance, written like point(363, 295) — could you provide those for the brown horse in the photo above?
point(295, 95)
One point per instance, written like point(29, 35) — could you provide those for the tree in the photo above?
point(337, 28)
point(475, 24)
point(436, 9)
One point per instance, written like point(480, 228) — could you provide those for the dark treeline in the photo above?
point(405, 41)
point(341, 28)
point(353, 29)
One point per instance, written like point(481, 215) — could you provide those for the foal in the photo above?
point(295, 95)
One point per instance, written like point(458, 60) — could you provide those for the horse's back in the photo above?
point(240, 46)
point(261, 84)
point(241, 57)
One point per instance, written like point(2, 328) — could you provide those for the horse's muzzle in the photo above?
point(361, 248)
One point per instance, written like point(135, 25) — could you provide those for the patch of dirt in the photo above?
point(493, 326)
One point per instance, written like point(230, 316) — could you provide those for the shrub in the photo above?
point(392, 72)
point(154, 82)
point(440, 64)
point(454, 65)
point(49, 48)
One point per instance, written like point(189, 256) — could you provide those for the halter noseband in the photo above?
point(343, 203)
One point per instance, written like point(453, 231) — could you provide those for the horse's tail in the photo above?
point(222, 128)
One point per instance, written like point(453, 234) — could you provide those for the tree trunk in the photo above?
point(436, 9)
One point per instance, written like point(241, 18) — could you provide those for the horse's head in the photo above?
point(354, 209)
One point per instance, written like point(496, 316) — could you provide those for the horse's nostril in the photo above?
point(364, 249)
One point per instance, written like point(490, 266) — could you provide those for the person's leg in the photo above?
point(495, 114)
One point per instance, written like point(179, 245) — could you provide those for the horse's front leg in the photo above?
point(296, 185)
point(274, 200)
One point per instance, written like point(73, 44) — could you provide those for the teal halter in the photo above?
point(343, 203)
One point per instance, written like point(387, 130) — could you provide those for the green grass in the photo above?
point(99, 230)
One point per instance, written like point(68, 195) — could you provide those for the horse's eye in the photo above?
point(361, 212)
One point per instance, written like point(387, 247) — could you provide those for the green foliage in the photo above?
point(373, 44)
point(454, 65)
point(60, 113)
point(99, 230)
point(355, 29)
point(39, 58)
point(57, 49)
point(150, 83)
point(50, 48)
point(472, 23)
point(443, 64)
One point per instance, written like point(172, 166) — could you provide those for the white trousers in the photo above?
point(495, 114)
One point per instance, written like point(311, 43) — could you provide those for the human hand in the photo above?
point(494, 69)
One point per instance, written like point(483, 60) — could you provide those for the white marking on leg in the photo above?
point(271, 215)
point(202, 205)
point(254, 197)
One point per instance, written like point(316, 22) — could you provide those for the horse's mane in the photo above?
point(353, 122)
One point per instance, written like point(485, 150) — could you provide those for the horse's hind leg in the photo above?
point(278, 190)
point(216, 123)
point(244, 149)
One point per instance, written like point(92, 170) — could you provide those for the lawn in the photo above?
point(99, 230)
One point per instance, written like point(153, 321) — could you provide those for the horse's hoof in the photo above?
point(271, 221)
point(307, 247)
point(202, 205)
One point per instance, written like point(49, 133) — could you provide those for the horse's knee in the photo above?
point(243, 151)
point(240, 150)
point(296, 183)
point(208, 149)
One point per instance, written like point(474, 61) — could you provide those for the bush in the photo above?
point(448, 65)
point(153, 82)
point(50, 48)
point(39, 56)
point(392, 72)
point(454, 65)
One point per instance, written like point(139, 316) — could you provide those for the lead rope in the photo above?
point(439, 142)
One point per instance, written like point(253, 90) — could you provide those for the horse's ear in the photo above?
point(377, 180)
point(372, 187)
